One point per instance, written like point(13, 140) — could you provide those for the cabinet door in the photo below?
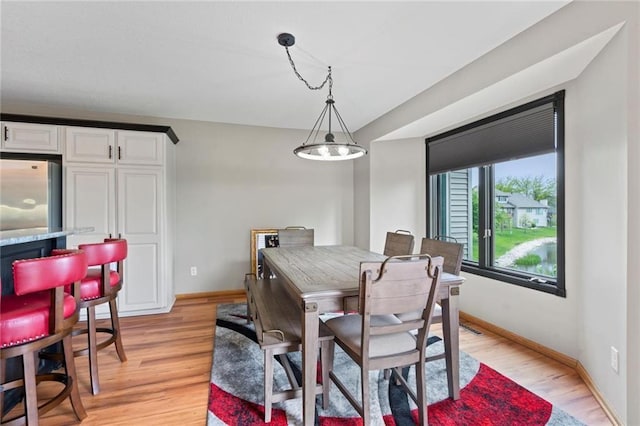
point(90, 202)
point(140, 148)
point(140, 197)
point(28, 137)
point(90, 145)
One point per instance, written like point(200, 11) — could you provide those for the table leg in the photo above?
point(310, 327)
point(451, 334)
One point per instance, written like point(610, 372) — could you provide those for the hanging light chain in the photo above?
point(329, 149)
point(295, 70)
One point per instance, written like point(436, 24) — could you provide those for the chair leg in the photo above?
point(268, 384)
point(31, 397)
point(115, 326)
point(421, 392)
point(93, 350)
point(3, 369)
point(366, 403)
point(70, 368)
point(286, 365)
point(326, 363)
point(387, 373)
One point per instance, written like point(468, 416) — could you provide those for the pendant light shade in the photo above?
point(329, 149)
point(324, 148)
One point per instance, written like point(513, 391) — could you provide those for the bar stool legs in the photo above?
point(93, 350)
point(93, 345)
point(115, 326)
point(74, 396)
point(101, 286)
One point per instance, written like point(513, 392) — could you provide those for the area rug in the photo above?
point(486, 397)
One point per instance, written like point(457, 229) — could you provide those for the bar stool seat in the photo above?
point(39, 314)
point(26, 318)
point(91, 285)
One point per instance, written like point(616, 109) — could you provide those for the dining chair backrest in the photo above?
point(451, 251)
point(398, 243)
point(400, 284)
point(295, 236)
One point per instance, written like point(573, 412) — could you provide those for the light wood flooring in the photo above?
point(165, 380)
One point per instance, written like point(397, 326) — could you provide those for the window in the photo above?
point(496, 186)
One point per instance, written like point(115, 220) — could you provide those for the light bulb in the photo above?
point(343, 150)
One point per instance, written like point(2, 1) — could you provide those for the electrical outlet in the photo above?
point(614, 359)
point(194, 271)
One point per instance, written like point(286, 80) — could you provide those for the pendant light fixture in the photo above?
point(327, 149)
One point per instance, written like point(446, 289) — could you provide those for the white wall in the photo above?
point(233, 178)
point(398, 190)
point(597, 167)
point(361, 199)
point(601, 134)
point(633, 225)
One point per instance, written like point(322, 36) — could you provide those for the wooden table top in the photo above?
point(325, 271)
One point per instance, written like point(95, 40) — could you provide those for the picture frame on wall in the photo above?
point(261, 238)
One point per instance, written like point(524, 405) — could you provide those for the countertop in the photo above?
point(19, 236)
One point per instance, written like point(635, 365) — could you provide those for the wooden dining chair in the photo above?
point(276, 319)
point(295, 236)
point(398, 243)
point(375, 338)
point(452, 253)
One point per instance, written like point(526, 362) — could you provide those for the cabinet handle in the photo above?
point(109, 236)
point(110, 152)
point(6, 133)
point(119, 153)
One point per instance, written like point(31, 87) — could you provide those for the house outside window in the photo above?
point(504, 197)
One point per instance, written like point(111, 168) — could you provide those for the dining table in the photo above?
point(324, 279)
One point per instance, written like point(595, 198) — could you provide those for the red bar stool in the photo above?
point(39, 314)
point(101, 285)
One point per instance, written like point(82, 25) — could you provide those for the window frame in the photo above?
point(486, 199)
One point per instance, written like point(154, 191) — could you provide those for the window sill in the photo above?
point(523, 281)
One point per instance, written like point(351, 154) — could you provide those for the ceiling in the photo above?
point(220, 61)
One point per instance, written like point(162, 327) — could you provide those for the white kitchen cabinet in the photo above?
point(83, 144)
point(139, 213)
point(108, 146)
point(140, 148)
point(90, 202)
point(29, 137)
point(126, 200)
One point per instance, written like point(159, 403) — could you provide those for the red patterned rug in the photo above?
point(486, 397)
